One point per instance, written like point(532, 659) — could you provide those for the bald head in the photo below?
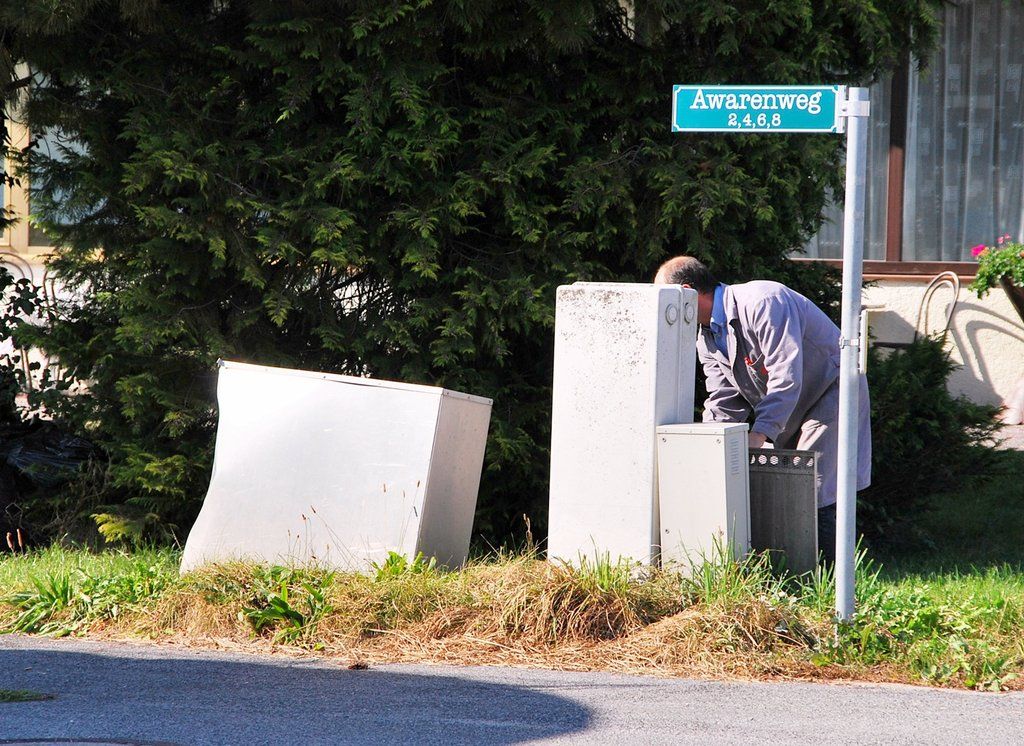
point(686, 270)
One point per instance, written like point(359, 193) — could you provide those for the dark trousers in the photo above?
point(827, 535)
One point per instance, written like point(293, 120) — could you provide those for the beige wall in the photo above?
point(16, 250)
point(17, 253)
point(986, 335)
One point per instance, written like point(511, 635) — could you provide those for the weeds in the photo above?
point(38, 606)
point(601, 575)
point(398, 565)
point(62, 597)
point(291, 603)
point(939, 638)
point(722, 617)
point(718, 580)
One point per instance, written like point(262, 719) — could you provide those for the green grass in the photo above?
point(16, 570)
point(978, 526)
point(948, 612)
point(60, 591)
point(955, 601)
point(22, 695)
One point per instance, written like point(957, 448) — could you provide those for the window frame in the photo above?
point(877, 269)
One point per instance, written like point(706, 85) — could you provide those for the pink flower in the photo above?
point(978, 250)
point(1001, 239)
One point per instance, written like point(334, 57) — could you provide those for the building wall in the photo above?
point(986, 336)
point(18, 254)
point(17, 251)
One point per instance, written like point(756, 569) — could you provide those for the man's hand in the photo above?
point(756, 440)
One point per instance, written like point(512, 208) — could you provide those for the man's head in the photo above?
point(690, 273)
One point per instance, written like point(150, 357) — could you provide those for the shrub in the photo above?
point(924, 439)
point(394, 189)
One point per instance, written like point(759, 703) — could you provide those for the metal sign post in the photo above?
point(714, 108)
point(857, 110)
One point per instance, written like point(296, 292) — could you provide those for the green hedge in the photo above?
point(394, 188)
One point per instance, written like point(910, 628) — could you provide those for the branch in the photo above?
point(16, 84)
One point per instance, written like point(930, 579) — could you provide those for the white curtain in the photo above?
point(828, 242)
point(965, 136)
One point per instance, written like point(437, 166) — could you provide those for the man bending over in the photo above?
point(771, 355)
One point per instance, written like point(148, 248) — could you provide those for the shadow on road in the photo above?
point(181, 698)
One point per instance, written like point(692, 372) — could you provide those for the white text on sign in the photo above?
point(728, 108)
point(765, 102)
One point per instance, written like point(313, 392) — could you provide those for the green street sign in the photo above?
point(766, 108)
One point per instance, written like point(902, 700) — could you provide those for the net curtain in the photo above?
point(963, 180)
point(965, 136)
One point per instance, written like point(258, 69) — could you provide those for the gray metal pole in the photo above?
point(857, 108)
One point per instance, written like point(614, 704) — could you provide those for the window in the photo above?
point(21, 239)
point(946, 149)
point(965, 141)
point(828, 243)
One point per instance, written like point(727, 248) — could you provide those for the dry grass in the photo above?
point(508, 611)
point(725, 620)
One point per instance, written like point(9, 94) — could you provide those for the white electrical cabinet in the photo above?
point(338, 471)
point(625, 357)
point(704, 491)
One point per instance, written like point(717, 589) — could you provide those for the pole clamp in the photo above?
point(844, 342)
point(854, 108)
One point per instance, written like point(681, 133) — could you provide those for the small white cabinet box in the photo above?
point(704, 492)
point(338, 471)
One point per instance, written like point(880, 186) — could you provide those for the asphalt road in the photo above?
point(135, 694)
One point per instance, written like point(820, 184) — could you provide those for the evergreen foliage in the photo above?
point(926, 440)
point(394, 188)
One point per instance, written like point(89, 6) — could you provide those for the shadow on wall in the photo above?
point(987, 345)
point(1009, 331)
point(179, 698)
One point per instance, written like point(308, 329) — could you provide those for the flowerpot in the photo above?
point(1016, 295)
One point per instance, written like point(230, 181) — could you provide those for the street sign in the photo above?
point(832, 108)
point(767, 108)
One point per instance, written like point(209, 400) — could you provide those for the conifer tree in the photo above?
point(393, 188)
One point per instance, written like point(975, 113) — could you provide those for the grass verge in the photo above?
point(948, 613)
point(727, 619)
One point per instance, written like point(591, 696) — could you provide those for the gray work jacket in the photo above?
point(783, 355)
